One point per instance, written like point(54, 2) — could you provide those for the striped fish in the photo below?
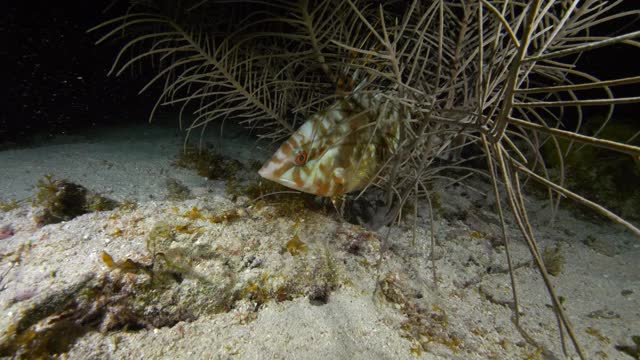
point(338, 150)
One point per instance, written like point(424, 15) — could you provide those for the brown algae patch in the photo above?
point(424, 325)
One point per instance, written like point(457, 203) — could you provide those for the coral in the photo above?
point(468, 84)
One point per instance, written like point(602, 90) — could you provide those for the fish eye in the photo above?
point(301, 157)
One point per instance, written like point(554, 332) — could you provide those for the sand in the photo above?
point(206, 287)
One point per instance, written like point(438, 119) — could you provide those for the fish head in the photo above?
point(307, 160)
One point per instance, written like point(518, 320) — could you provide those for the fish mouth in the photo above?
point(265, 173)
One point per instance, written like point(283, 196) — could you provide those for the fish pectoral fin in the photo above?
point(338, 202)
point(338, 175)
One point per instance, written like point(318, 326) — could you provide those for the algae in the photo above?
point(598, 335)
point(6, 206)
point(553, 259)
point(208, 163)
point(631, 350)
point(423, 326)
point(601, 175)
point(63, 200)
point(295, 246)
point(174, 281)
point(177, 191)
point(600, 246)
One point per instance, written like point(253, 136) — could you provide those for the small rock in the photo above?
point(319, 294)
point(251, 262)
point(6, 231)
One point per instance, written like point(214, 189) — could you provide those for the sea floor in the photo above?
point(215, 276)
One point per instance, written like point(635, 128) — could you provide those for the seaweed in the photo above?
point(423, 325)
point(295, 246)
point(208, 163)
point(257, 291)
point(8, 205)
point(598, 335)
point(150, 291)
point(553, 259)
point(193, 214)
point(63, 200)
point(388, 59)
point(326, 279)
point(128, 205)
point(117, 232)
point(227, 216)
point(597, 173)
point(96, 202)
point(631, 350)
point(177, 191)
point(127, 265)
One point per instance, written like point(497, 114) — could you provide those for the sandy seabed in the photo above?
point(209, 277)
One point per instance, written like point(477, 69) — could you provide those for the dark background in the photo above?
point(56, 80)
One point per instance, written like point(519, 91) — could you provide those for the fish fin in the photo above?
point(338, 175)
point(338, 202)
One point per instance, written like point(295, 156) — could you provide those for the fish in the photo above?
point(339, 149)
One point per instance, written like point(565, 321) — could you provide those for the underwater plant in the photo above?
point(62, 200)
point(390, 97)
